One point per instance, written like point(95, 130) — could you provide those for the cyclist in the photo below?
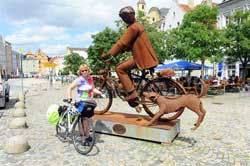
point(85, 90)
point(134, 39)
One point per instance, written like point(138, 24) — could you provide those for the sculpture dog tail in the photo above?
point(204, 89)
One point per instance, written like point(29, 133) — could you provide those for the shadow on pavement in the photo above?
point(190, 141)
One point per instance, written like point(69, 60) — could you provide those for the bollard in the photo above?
point(15, 145)
point(19, 112)
point(17, 123)
point(20, 104)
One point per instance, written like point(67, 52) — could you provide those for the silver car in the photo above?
point(4, 91)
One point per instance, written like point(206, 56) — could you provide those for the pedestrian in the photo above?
point(134, 39)
point(85, 89)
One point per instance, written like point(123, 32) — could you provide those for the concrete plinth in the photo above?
point(131, 125)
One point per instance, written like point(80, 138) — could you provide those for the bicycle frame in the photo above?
point(69, 114)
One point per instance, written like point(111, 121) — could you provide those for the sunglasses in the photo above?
point(84, 70)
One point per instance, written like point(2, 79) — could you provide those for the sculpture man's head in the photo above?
point(127, 14)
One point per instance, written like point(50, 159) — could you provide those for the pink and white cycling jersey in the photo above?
point(84, 88)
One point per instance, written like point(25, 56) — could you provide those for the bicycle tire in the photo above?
point(103, 104)
point(61, 135)
point(166, 87)
point(79, 145)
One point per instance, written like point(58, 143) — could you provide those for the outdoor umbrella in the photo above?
point(182, 65)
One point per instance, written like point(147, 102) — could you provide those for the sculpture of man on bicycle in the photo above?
point(134, 39)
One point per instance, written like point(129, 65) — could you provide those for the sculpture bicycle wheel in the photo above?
point(104, 102)
point(166, 87)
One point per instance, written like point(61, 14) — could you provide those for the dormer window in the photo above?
point(153, 19)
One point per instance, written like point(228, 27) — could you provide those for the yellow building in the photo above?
point(41, 57)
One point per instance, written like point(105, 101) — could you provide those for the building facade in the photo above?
point(16, 63)
point(83, 52)
point(3, 61)
point(167, 17)
point(42, 59)
point(30, 67)
point(59, 60)
point(226, 9)
point(8, 53)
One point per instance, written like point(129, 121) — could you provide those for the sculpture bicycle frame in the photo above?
point(144, 82)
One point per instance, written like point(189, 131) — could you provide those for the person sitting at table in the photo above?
point(215, 81)
point(237, 80)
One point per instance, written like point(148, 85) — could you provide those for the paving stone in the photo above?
point(221, 139)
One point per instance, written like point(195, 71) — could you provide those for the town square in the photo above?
point(128, 83)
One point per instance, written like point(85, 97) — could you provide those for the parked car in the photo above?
point(4, 91)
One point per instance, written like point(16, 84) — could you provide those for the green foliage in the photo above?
point(159, 39)
point(102, 43)
point(198, 38)
point(237, 33)
point(72, 63)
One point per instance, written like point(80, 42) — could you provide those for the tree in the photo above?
point(198, 38)
point(72, 63)
point(238, 35)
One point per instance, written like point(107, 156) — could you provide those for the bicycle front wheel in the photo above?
point(104, 102)
point(165, 87)
point(83, 135)
point(61, 128)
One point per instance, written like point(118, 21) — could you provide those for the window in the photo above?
point(142, 6)
point(153, 19)
point(178, 23)
point(226, 16)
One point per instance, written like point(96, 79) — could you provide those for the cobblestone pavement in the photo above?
point(223, 138)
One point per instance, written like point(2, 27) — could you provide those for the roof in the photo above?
point(141, 2)
point(164, 11)
point(185, 8)
point(154, 9)
point(77, 49)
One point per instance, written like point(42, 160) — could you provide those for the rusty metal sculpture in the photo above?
point(168, 105)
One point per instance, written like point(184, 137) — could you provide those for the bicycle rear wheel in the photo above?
point(103, 102)
point(83, 142)
point(165, 87)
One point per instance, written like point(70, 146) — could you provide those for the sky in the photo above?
point(54, 25)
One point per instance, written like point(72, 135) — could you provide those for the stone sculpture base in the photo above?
point(130, 125)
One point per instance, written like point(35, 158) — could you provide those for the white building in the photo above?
point(83, 52)
point(30, 67)
point(227, 8)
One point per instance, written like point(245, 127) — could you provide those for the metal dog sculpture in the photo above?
point(168, 105)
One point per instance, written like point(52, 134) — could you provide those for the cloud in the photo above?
point(53, 50)
point(85, 36)
point(55, 24)
point(35, 35)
